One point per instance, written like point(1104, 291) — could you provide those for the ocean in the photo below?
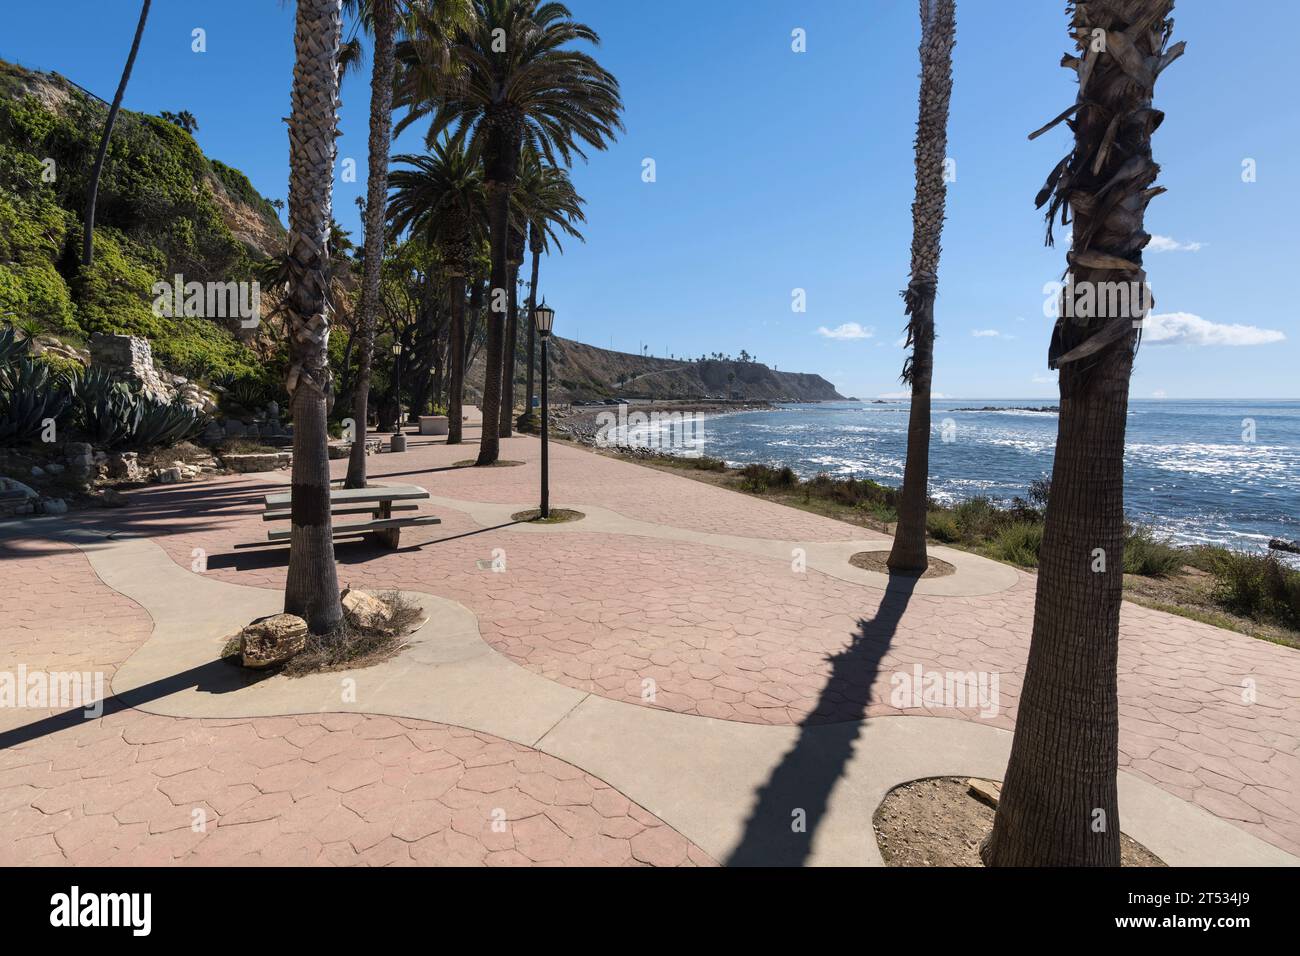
point(1220, 472)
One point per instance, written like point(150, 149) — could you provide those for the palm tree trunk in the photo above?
point(499, 225)
point(381, 137)
point(938, 35)
point(92, 194)
point(1058, 804)
point(456, 351)
point(536, 250)
point(311, 588)
point(508, 360)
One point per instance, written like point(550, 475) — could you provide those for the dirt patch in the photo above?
point(876, 561)
point(471, 463)
point(348, 647)
point(557, 516)
point(937, 822)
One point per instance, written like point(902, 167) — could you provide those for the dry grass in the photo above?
point(348, 647)
point(557, 516)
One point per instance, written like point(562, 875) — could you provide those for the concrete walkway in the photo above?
point(732, 789)
point(708, 662)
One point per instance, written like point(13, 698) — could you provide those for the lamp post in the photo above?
point(397, 385)
point(543, 319)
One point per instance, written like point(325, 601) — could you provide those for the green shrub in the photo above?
point(942, 526)
point(1019, 543)
point(1258, 586)
point(759, 478)
point(979, 519)
point(29, 395)
point(1148, 555)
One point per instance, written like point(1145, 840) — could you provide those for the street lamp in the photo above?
point(397, 385)
point(543, 319)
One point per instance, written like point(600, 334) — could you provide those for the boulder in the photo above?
point(54, 506)
point(80, 457)
point(38, 471)
point(132, 358)
point(364, 611)
point(54, 468)
point(272, 640)
point(124, 466)
point(112, 498)
point(168, 476)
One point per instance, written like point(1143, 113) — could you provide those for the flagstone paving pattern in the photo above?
point(713, 631)
point(133, 788)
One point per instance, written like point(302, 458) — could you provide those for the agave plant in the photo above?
point(11, 346)
point(105, 408)
point(165, 423)
point(29, 397)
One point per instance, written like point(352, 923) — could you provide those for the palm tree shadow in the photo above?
point(807, 774)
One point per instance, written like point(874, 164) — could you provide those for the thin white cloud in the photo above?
point(1044, 379)
point(849, 330)
point(1183, 328)
point(904, 396)
point(1169, 244)
point(986, 333)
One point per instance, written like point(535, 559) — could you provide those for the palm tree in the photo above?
point(311, 589)
point(520, 85)
point(184, 119)
point(548, 203)
point(442, 198)
point(92, 193)
point(514, 259)
point(431, 19)
point(938, 34)
point(1058, 805)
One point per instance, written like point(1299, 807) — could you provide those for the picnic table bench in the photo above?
point(378, 502)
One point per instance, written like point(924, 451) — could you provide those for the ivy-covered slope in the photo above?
point(164, 208)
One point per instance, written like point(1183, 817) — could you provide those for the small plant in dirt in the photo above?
point(1258, 586)
point(1148, 555)
point(359, 644)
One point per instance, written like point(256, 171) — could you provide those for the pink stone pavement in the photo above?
point(710, 630)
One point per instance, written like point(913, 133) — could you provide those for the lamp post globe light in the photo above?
point(543, 320)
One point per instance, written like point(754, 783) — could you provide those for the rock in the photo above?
point(54, 506)
point(112, 498)
point(264, 461)
point(272, 640)
point(212, 434)
point(234, 428)
point(1281, 544)
point(54, 468)
point(12, 488)
point(79, 456)
point(124, 466)
point(985, 791)
point(132, 358)
point(364, 611)
point(38, 471)
point(167, 476)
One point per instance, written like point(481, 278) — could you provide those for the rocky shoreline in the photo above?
point(582, 423)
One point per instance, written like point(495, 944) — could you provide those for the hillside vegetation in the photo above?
point(582, 372)
point(164, 208)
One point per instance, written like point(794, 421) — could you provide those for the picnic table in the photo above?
point(378, 502)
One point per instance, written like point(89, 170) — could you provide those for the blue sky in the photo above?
point(779, 171)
